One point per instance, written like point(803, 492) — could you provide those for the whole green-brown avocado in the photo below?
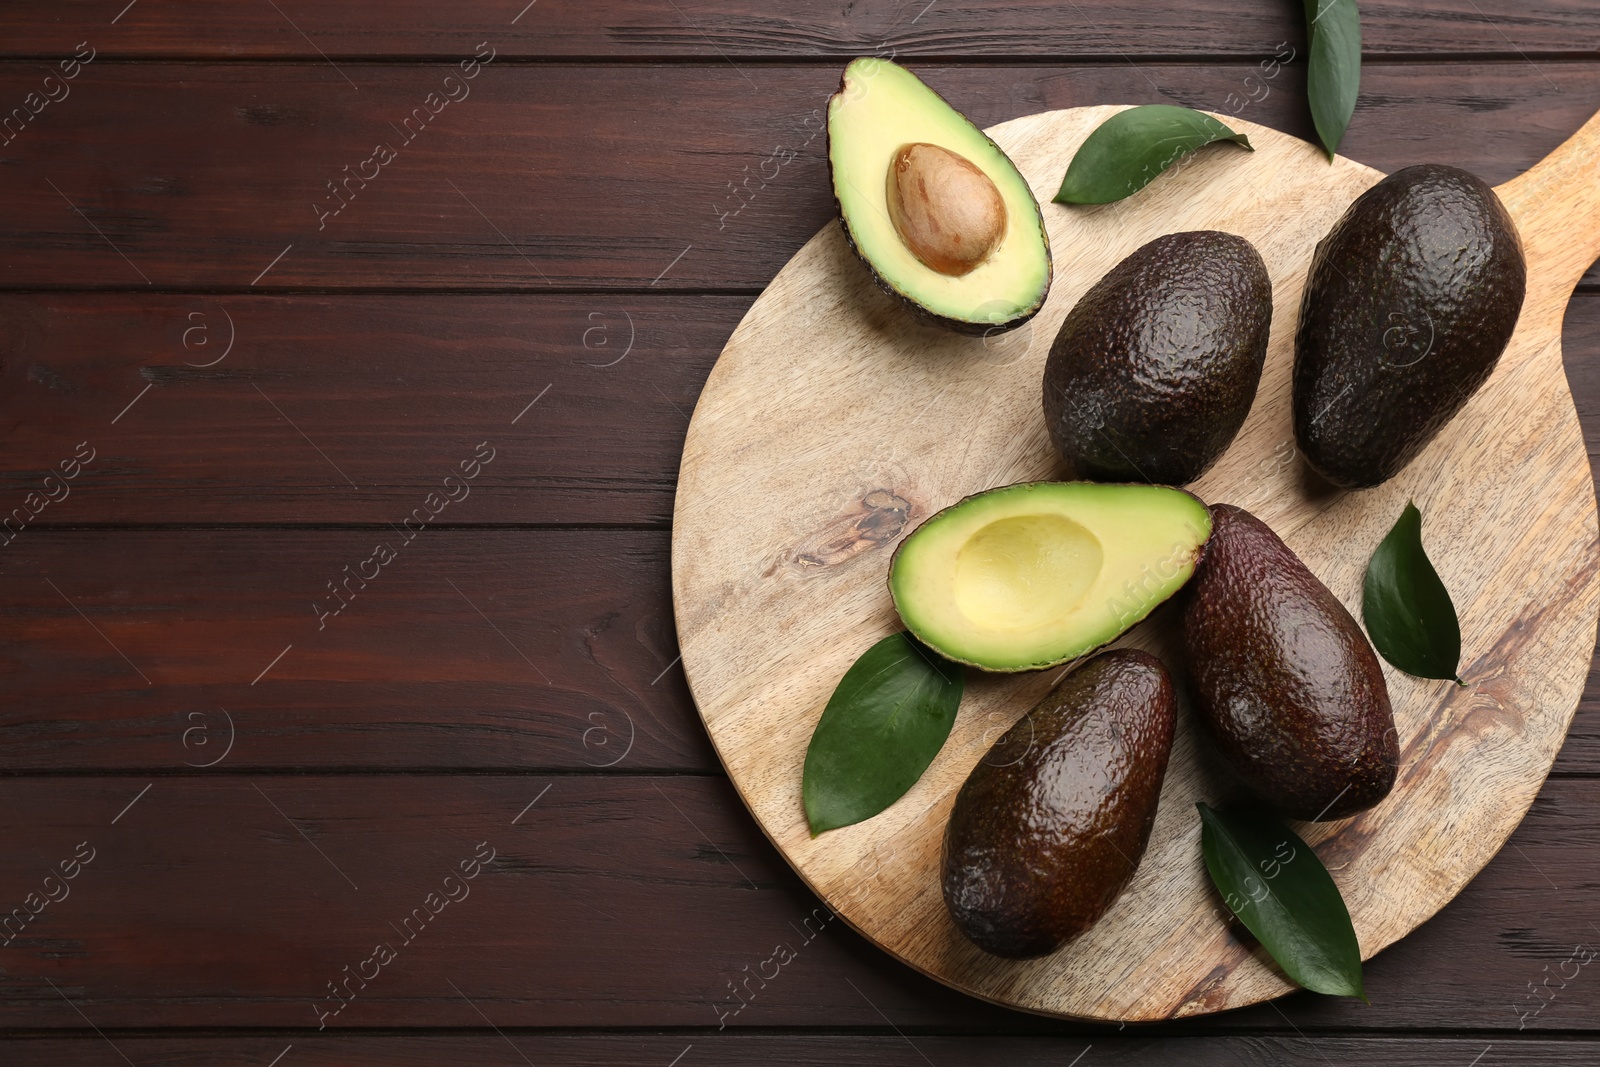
point(1286, 682)
point(1412, 297)
point(1052, 822)
point(1154, 370)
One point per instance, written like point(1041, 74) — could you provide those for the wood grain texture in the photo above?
point(408, 677)
point(765, 637)
point(491, 649)
point(640, 29)
point(390, 388)
point(388, 392)
point(547, 175)
point(216, 911)
point(614, 901)
point(736, 1050)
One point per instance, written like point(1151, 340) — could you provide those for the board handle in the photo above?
point(1556, 205)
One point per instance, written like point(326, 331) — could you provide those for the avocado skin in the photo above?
point(1284, 679)
point(1154, 370)
point(1429, 254)
point(1040, 844)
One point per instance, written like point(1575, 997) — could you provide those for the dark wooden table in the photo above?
point(347, 355)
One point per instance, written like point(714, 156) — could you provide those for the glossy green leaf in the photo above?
point(1333, 78)
point(1407, 608)
point(1127, 151)
point(1283, 894)
point(882, 727)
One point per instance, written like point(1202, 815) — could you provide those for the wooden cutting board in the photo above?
point(833, 424)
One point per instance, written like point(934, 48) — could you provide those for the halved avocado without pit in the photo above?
point(940, 215)
point(1031, 575)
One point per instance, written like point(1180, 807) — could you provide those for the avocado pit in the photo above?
point(947, 211)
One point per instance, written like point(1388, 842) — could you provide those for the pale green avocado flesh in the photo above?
point(1032, 575)
point(881, 107)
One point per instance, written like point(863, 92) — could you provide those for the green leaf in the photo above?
point(1278, 888)
point(1127, 151)
point(1334, 76)
point(1407, 608)
point(882, 727)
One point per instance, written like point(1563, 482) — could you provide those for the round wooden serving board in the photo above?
point(833, 424)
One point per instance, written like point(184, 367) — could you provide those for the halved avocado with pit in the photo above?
point(1031, 575)
point(940, 215)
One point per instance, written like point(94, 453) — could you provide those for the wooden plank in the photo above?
point(350, 408)
point(507, 649)
point(694, 1049)
point(408, 676)
point(394, 392)
point(637, 28)
point(611, 901)
point(218, 175)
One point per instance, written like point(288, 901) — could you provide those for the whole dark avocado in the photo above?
point(1052, 822)
point(1284, 679)
point(1411, 299)
point(1154, 370)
